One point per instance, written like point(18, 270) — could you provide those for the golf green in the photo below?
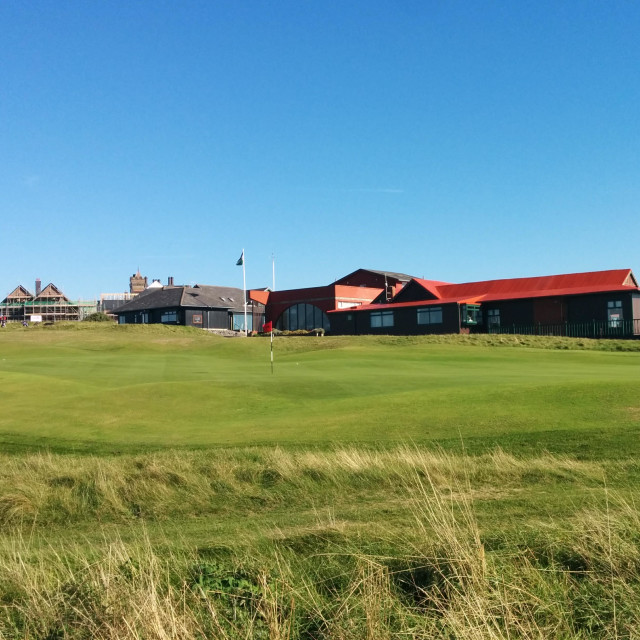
point(153, 387)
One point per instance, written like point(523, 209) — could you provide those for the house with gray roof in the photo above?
point(201, 306)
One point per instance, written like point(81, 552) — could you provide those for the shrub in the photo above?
point(98, 317)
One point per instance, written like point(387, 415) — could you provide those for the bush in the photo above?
point(98, 317)
point(300, 332)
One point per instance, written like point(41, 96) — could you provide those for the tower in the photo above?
point(137, 283)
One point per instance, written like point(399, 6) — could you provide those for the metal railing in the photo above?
point(592, 329)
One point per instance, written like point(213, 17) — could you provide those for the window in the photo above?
point(302, 316)
point(197, 318)
point(169, 316)
point(493, 317)
point(614, 313)
point(470, 314)
point(121, 320)
point(238, 321)
point(430, 315)
point(381, 319)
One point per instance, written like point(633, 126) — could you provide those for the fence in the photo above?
point(593, 329)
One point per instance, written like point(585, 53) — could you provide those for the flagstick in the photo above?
point(273, 288)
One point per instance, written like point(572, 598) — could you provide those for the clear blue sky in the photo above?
point(453, 140)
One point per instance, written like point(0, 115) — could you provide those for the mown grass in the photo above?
point(374, 487)
point(117, 388)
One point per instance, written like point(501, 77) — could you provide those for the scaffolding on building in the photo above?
point(38, 311)
point(48, 305)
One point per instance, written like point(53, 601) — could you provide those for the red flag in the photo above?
point(267, 327)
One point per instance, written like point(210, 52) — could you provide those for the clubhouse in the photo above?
point(201, 306)
point(592, 304)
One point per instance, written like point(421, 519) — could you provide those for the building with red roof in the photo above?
point(592, 304)
point(294, 309)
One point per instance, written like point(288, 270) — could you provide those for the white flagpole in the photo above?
point(272, 349)
point(244, 286)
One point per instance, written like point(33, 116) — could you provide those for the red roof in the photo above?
point(432, 286)
point(259, 295)
point(559, 285)
point(515, 288)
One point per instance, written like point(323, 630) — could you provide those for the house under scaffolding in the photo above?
point(47, 305)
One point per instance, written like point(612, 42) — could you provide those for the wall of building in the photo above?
point(594, 306)
point(151, 316)
point(199, 318)
point(635, 306)
point(512, 312)
point(405, 322)
point(324, 298)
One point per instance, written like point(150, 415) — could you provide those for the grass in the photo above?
point(269, 543)
point(117, 388)
point(158, 482)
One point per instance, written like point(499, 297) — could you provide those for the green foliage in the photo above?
point(235, 594)
point(235, 589)
point(98, 317)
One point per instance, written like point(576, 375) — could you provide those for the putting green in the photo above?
point(111, 388)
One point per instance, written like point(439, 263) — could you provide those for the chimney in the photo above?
point(170, 281)
point(38, 287)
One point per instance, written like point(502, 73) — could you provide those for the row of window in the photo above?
point(307, 316)
point(142, 317)
point(138, 318)
point(426, 315)
point(302, 316)
point(470, 314)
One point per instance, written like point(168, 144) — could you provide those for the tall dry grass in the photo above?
point(45, 489)
point(577, 579)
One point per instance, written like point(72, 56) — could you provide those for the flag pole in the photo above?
point(244, 286)
point(273, 288)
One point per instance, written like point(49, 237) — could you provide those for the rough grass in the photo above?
point(432, 570)
point(39, 490)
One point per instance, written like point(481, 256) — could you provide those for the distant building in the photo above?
point(593, 304)
point(109, 302)
point(137, 283)
point(294, 309)
point(46, 305)
point(202, 306)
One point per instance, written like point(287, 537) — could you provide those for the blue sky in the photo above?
point(453, 140)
